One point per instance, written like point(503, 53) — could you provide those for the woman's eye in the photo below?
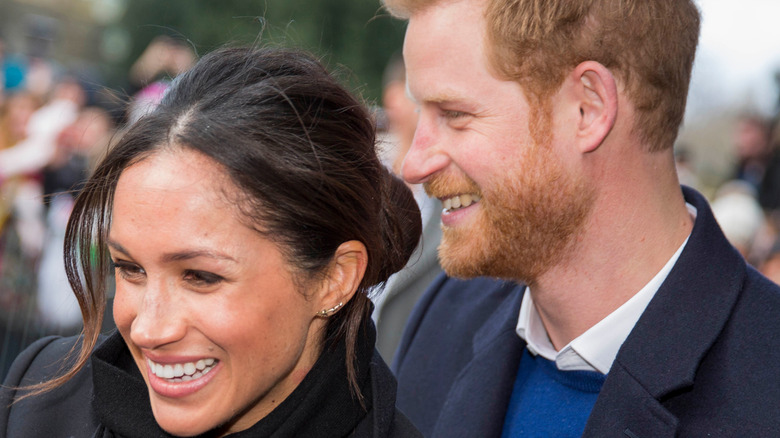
point(202, 278)
point(128, 271)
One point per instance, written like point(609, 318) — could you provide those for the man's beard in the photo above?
point(527, 220)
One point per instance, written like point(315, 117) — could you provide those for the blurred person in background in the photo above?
point(17, 258)
point(24, 236)
point(2, 70)
point(399, 110)
point(769, 190)
point(770, 266)
point(78, 146)
point(740, 217)
point(685, 168)
point(12, 71)
point(150, 75)
point(37, 149)
point(404, 288)
point(30, 155)
point(751, 148)
point(15, 114)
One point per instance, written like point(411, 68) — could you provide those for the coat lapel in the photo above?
point(625, 409)
point(661, 355)
point(478, 399)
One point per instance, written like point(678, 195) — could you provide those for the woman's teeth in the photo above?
point(460, 201)
point(182, 372)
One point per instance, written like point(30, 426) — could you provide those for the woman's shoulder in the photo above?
point(39, 361)
point(384, 419)
point(66, 408)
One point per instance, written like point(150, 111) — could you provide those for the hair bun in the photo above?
point(401, 224)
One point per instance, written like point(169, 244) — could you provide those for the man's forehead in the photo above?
point(443, 96)
point(448, 34)
point(446, 57)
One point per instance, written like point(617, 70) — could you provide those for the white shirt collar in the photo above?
point(596, 349)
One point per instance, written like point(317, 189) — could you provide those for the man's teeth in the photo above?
point(460, 201)
point(182, 372)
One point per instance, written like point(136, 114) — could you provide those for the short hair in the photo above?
point(649, 46)
point(290, 138)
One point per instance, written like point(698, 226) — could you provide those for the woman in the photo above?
point(245, 218)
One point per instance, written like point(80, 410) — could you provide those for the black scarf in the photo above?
point(321, 406)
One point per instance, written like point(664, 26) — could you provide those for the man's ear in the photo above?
point(344, 276)
point(595, 94)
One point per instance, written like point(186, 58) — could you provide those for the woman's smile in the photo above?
point(181, 380)
point(181, 372)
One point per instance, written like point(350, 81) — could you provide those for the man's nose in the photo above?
point(427, 154)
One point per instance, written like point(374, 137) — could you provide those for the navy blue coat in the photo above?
point(703, 360)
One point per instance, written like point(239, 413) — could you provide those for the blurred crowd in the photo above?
point(54, 126)
point(747, 203)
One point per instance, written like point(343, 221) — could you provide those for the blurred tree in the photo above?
point(353, 35)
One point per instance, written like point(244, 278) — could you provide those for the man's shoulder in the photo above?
point(475, 296)
point(452, 308)
point(756, 315)
point(459, 338)
point(736, 390)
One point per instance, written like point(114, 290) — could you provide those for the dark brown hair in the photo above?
point(292, 139)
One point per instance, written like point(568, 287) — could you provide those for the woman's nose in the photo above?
point(158, 320)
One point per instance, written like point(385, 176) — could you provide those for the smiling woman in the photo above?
point(246, 219)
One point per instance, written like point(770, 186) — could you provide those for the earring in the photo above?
point(326, 312)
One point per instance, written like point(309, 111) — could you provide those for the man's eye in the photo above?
point(202, 278)
point(452, 114)
point(128, 271)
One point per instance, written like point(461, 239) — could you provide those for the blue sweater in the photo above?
point(548, 402)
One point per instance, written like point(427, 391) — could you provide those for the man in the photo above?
point(404, 289)
point(546, 129)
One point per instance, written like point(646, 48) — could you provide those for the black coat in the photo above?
point(703, 359)
point(69, 411)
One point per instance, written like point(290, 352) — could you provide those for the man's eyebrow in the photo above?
point(443, 98)
point(438, 98)
point(179, 256)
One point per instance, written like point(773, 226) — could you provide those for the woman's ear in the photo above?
point(596, 97)
point(344, 276)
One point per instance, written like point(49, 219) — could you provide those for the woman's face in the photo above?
point(206, 305)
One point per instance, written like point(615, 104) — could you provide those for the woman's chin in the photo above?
point(182, 428)
point(181, 424)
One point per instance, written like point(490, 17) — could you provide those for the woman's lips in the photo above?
point(178, 380)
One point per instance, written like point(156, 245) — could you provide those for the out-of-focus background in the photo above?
point(73, 71)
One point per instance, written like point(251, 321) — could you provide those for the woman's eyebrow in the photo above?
point(195, 253)
point(116, 246)
point(181, 255)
